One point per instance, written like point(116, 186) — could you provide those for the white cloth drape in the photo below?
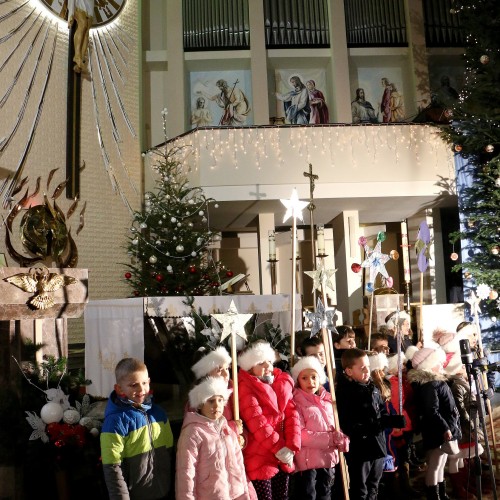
point(114, 329)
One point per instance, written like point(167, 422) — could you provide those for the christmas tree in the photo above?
point(170, 239)
point(474, 133)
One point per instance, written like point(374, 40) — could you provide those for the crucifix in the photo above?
point(311, 207)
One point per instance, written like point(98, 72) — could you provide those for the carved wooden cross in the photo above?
point(312, 178)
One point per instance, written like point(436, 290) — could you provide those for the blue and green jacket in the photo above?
point(136, 448)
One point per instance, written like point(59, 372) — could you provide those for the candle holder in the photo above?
point(272, 263)
point(322, 255)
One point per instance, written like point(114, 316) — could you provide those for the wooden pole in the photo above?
point(420, 319)
point(234, 371)
point(294, 281)
point(370, 324)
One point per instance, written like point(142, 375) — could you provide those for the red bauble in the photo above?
point(355, 267)
point(192, 269)
point(128, 275)
point(159, 278)
point(229, 274)
point(136, 293)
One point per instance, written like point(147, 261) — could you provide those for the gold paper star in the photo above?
point(232, 322)
point(322, 278)
point(294, 206)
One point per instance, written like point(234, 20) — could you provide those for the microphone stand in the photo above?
point(473, 372)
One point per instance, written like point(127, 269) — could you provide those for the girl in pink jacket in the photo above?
point(269, 414)
point(318, 455)
point(209, 461)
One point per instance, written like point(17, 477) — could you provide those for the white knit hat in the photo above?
point(391, 322)
point(308, 362)
point(392, 362)
point(427, 358)
point(212, 360)
point(211, 386)
point(378, 361)
point(255, 354)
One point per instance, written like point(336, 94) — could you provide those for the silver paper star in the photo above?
point(322, 319)
point(474, 301)
point(375, 260)
point(232, 322)
point(322, 278)
point(294, 206)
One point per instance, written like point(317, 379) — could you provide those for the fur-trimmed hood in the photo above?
point(423, 377)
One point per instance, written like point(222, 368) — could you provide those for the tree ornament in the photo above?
point(493, 295)
point(128, 275)
point(381, 236)
point(457, 148)
point(356, 268)
point(467, 275)
point(471, 223)
point(193, 254)
point(201, 213)
point(497, 182)
point(454, 256)
point(448, 113)
point(170, 269)
point(484, 59)
point(159, 277)
point(394, 254)
point(192, 269)
point(158, 243)
point(51, 412)
point(489, 148)
point(135, 241)
point(173, 220)
point(229, 274)
point(179, 249)
point(494, 250)
point(153, 259)
point(143, 225)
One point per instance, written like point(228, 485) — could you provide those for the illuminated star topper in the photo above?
point(294, 206)
point(322, 277)
point(322, 319)
point(232, 322)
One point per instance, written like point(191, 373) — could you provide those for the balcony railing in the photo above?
point(375, 23)
point(216, 25)
point(296, 23)
point(442, 24)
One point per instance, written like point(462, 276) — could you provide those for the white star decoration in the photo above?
point(232, 322)
point(322, 319)
point(294, 206)
point(376, 260)
point(474, 300)
point(322, 278)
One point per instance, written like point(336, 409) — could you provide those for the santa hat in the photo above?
point(255, 354)
point(212, 360)
point(211, 386)
point(311, 363)
point(378, 361)
point(427, 358)
point(393, 362)
point(446, 340)
point(390, 321)
point(410, 352)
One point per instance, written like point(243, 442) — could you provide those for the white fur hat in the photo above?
point(391, 321)
point(448, 341)
point(308, 362)
point(255, 354)
point(211, 386)
point(466, 331)
point(378, 361)
point(453, 364)
point(410, 352)
point(393, 362)
point(212, 360)
point(427, 358)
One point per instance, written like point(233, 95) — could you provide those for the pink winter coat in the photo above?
point(315, 411)
point(269, 414)
point(209, 461)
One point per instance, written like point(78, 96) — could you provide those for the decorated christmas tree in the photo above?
point(474, 132)
point(169, 241)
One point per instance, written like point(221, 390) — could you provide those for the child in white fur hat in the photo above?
point(440, 421)
point(269, 414)
point(209, 460)
point(320, 441)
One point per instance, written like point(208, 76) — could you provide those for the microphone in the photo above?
point(465, 352)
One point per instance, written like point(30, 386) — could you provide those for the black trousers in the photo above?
point(364, 477)
point(314, 484)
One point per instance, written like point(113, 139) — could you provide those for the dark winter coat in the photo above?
point(363, 417)
point(435, 406)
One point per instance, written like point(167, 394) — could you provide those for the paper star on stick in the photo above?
point(294, 206)
point(322, 319)
point(322, 278)
point(375, 260)
point(232, 322)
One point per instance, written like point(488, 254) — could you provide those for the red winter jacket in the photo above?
point(269, 414)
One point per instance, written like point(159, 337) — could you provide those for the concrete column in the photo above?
point(266, 224)
point(347, 251)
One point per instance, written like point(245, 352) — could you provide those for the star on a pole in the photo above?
point(322, 319)
point(375, 261)
point(232, 322)
point(294, 206)
point(474, 301)
point(322, 278)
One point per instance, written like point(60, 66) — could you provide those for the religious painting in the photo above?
point(300, 96)
point(378, 96)
point(446, 82)
point(221, 98)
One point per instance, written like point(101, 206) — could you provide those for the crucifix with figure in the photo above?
point(312, 178)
